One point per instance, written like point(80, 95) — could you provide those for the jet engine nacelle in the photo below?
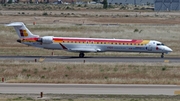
point(46, 39)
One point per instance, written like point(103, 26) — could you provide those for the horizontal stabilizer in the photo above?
point(15, 24)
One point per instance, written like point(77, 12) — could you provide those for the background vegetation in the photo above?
point(65, 97)
point(90, 73)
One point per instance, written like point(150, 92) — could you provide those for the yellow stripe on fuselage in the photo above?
point(145, 41)
point(57, 41)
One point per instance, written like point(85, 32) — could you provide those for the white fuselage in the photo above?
point(84, 45)
point(112, 45)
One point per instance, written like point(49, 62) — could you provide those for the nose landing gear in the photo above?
point(162, 56)
point(81, 54)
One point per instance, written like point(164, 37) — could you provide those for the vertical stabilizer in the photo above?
point(22, 30)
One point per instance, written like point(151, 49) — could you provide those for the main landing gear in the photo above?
point(81, 54)
point(162, 56)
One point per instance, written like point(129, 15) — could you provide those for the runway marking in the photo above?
point(177, 92)
point(41, 59)
point(166, 61)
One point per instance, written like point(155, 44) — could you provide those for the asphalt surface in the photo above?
point(90, 59)
point(24, 88)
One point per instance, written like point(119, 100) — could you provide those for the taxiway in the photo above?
point(118, 89)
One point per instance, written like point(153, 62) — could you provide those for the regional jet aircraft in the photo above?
point(85, 45)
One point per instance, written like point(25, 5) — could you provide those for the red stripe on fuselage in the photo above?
point(30, 39)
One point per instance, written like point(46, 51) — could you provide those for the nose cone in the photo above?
point(167, 49)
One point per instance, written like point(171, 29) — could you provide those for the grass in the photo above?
point(93, 73)
point(75, 97)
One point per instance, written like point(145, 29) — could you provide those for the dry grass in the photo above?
point(93, 73)
point(74, 97)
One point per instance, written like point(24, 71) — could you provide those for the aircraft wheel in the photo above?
point(81, 55)
point(162, 56)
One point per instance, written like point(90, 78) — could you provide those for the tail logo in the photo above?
point(23, 33)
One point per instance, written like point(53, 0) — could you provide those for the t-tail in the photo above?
point(22, 30)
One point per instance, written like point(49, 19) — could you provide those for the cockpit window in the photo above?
point(160, 44)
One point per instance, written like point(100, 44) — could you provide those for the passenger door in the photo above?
point(149, 47)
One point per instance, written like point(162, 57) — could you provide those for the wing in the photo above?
point(82, 50)
point(79, 49)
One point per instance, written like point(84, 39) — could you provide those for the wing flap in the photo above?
point(82, 50)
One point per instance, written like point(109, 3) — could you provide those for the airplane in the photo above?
point(86, 45)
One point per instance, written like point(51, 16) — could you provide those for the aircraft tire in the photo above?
point(81, 55)
point(162, 56)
